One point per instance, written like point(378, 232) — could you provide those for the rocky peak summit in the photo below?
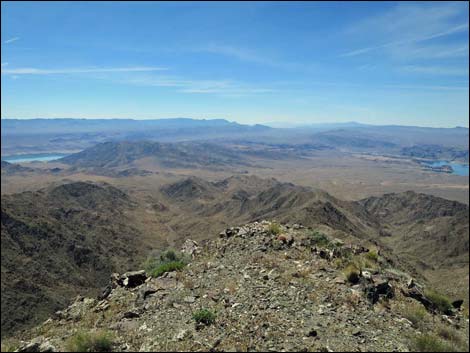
point(263, 286)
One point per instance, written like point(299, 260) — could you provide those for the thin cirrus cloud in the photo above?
point(36, 71)
point(255, 57)
point(456, 29)
point(11, 40)
point(220, 87)
point(407, 27)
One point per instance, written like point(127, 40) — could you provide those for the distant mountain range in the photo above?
point(49, 126)
point(72, 135)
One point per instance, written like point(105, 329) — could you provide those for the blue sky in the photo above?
point(379, 63)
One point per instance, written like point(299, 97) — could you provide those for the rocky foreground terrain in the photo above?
point(260, 287)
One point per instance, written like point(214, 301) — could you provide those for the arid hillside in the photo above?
point(69, 238)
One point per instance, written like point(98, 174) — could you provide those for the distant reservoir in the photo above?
point(39, 157)
point(457, 168)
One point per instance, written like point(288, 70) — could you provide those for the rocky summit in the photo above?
point(263, 286)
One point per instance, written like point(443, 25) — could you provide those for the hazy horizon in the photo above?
point(274, 124)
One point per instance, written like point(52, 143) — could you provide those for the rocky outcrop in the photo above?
point(257, 287)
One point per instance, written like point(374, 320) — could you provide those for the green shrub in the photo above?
point(441, 302)
point(169, 256)
point(274, 229)
point(167, 267)
point(167, 261)
point(320, 239)
point(90, 342)
point(204, 316)
point(430, 343)
point(352, 273)
point(372, 256)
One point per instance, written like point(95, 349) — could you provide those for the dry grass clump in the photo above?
point(352, 273)
point(99, 341)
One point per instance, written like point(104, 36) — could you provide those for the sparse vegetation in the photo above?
point(320, 239)
point(416, 314)
point(167, 267)
point(274, 229)
point(428, 343)
point(449, 334)
point(90, 342)
point(168, 261)
point(10, 345)
point(442, 302)
point(352, 273)
point(204, 316)
point(372, 255)
point(432, 343)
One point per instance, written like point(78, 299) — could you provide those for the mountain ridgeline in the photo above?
point(189, 155)
point(69, 238)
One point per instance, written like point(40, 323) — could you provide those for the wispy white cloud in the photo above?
point(4, 64)
point(36, 71)
point(447, 32)
point(145, 76)
point(11, 40)
point(254, 56)
point(435, 70)
point(407, 25)
point(200, 86)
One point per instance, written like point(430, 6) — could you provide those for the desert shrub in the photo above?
point(339, 262)
point(204, 316)
point(415, 314)
point(363, 261)
point(90, 342)
point(319, 239)
point(167, 261)
point(274, 229)
point(372, 255)
point(431, 343)
point(449, 334)
point(352, 273)
point(358, 261)
point(167, 267)
point(441, 301)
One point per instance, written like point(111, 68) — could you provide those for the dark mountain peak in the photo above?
point(413, 204)
point(191, 188)
point(181, 154)
point(245, 182)
point(87, 195)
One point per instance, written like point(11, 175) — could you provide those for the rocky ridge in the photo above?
point(268, 287)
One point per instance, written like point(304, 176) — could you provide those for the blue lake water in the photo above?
point(40, 157)
point(459, 169)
